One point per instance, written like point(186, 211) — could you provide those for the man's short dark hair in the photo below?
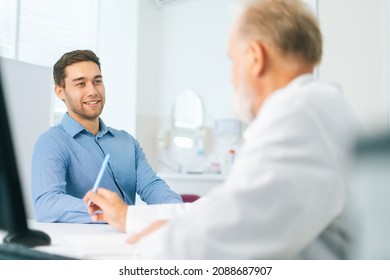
point(70, 58)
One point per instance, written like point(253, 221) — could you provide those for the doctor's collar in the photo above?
point(297, 82)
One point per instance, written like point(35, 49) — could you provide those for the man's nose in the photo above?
point(91, 88)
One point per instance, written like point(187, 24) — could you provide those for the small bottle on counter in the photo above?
point(232, 155)
point(229, 160)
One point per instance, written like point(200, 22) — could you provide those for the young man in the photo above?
point(285, 195)
point(67, 158)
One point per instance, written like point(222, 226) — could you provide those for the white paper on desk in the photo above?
point(101, 245)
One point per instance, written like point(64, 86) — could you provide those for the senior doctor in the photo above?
point(285, 194)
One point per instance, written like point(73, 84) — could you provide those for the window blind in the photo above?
point(40, 31)
point(47, 28)
point(7, 28)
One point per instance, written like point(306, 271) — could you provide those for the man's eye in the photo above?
point(98, 81)
point(80, 84)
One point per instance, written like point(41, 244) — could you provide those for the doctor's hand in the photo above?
point(151, 228)
point(107, 206)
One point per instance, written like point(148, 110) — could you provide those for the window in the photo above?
point(8, 28)
point(48, 28)
point(40, 31)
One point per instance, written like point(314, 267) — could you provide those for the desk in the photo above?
point(84, 241)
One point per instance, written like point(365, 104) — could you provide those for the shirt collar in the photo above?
point(72, 127)
point(293, 84)
point(299, 81)
point(104, 129)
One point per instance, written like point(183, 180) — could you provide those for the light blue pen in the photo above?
point(100, 175)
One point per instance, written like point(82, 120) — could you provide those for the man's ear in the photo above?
point(59, 92)
point(258, 57)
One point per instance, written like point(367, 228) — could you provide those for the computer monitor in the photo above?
point(13, 217)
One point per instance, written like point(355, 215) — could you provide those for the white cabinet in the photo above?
point(199, 184)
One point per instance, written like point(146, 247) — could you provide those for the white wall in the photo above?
point(148, 97)
point(118, 32)
point(355, 56)
point(182, 45)
point(194, 37)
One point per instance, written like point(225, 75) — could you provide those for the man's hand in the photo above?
point(153, 227)
point(107, 206)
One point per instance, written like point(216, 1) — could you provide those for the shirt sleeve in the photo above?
point(151, 188)
point(50, 199)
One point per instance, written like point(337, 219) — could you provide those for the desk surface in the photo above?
point(85, 241)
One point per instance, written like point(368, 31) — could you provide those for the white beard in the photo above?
point(242, 106)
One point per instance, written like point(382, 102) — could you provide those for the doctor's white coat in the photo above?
point(284, 196)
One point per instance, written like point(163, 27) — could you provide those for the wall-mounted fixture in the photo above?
point(164, 139)
point(228, 128)
point(187, 119)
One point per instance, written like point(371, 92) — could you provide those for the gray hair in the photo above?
point(289, 25)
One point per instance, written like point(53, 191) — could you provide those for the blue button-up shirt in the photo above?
point(66, 161)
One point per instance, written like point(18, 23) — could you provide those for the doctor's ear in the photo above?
point(257, 54)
